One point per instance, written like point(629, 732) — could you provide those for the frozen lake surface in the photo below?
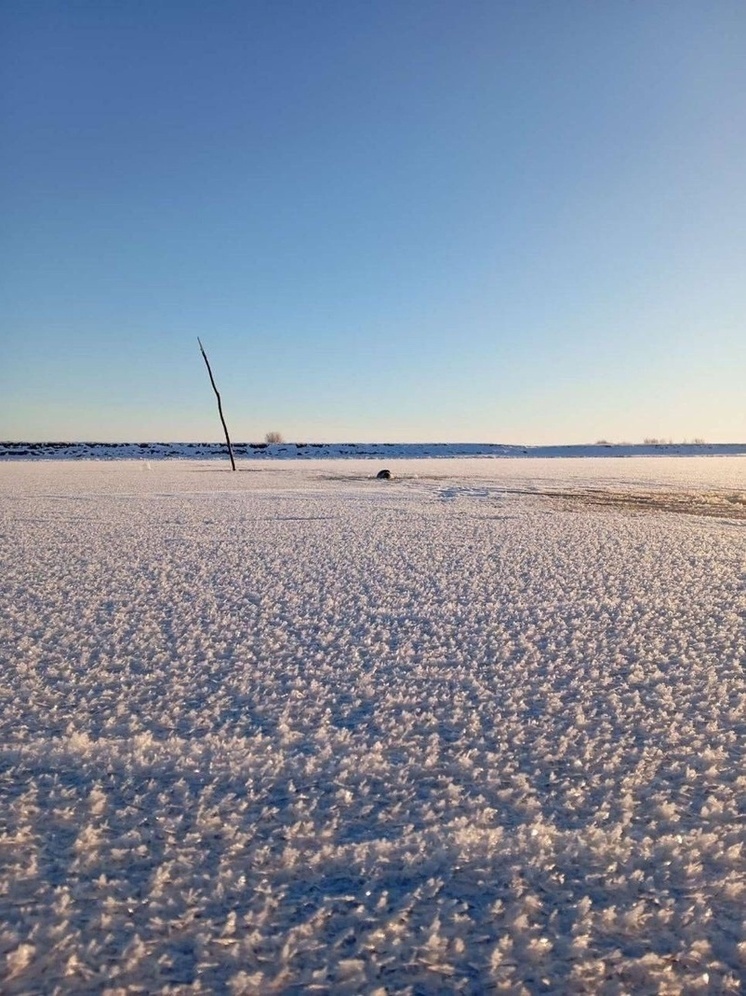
point(479, 728)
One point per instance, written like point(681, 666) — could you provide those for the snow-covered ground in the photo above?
point(342, 451)
point(479, 728)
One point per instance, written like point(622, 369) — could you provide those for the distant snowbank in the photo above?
point(336, 451)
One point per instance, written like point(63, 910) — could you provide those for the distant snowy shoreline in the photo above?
point(337, 451)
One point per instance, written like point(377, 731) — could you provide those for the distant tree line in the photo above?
point(655, 441)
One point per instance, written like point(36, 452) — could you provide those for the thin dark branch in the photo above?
point(220, 406)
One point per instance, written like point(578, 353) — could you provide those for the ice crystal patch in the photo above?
point(275, 731)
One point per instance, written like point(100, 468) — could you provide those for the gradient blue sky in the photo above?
point(415, 220)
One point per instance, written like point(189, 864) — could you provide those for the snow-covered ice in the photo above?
point(479, 728)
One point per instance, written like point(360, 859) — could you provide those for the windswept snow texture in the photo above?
point(300, 730)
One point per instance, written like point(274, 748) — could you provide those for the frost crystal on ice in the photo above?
point(478, 730)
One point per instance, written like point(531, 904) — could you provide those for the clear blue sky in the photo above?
point(416, 220)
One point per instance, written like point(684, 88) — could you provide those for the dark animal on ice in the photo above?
point(383, 475)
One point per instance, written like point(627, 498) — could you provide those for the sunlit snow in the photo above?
point(479, 728)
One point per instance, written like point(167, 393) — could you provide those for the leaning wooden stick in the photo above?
point(220, 407)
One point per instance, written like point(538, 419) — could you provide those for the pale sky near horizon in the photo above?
point(396, 220)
